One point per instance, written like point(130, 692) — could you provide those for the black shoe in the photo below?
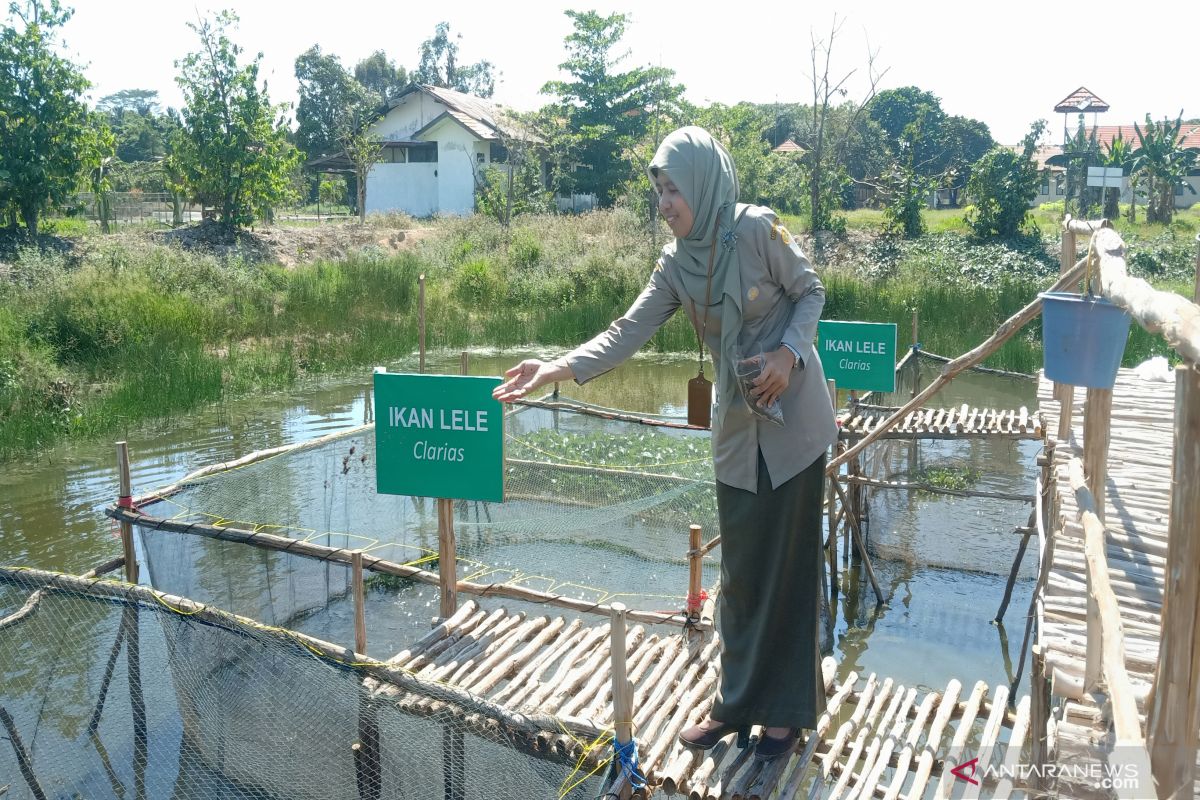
point(769, 747)
point(706, 738)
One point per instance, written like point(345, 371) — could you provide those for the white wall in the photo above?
point(411, 188)
point(456, 167)
point(418, 109)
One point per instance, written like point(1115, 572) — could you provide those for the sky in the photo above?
point(1005, 64)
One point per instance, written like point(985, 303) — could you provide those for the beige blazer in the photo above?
point(781, 301)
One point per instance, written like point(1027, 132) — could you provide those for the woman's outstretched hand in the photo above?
point(529, 375)
point(776, 372)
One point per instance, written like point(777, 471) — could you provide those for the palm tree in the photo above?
point(1163, 162)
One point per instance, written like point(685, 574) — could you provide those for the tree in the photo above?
point(825, 159)
point(233, 152)
point(381, 77)
point(44, 124)
point(1003, 184)
point(328, 96)
point(363, 149)
point(439, 66)
point(1161, 162)
point(100, 161)
point(609, 110)
point(949, 145)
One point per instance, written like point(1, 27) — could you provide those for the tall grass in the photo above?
point(130, 330)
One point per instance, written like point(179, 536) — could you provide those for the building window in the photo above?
point(479, 157)
point(423, 153)
point(392, 155)
point(1179, 190)
point(1046, 184)
point(499, 153)
point(1060, 186)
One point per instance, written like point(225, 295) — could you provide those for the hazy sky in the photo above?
point(1006, 64)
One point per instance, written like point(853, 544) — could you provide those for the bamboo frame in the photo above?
point(299, 547)
point(360, 618)
point(952, 369)
point(929, 487)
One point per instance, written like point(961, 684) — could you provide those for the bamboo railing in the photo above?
point(1168, 743)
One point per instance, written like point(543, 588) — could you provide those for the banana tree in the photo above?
point(1162, 162)
point(1119, 153)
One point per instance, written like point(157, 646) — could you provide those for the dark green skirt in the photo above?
point(769, 606)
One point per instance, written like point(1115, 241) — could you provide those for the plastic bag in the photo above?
point(748, 366)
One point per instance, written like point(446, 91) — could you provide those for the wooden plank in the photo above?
point(1174, 717)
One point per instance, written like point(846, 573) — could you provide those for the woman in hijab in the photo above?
point(748, 289)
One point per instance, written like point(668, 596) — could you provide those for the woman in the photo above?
point(747, 287)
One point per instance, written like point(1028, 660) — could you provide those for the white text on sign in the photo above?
point(454, 419)
point(865, 348)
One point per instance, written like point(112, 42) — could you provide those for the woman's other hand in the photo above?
point(529, 375)
point(776, 372)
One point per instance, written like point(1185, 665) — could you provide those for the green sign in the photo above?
point(859, 355)
point(438, 436)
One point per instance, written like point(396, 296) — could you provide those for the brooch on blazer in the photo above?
point(728, 240)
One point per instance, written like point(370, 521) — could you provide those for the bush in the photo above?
point(477, 282)
point(1003, 183)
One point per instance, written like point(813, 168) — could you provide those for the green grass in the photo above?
point(128, 329)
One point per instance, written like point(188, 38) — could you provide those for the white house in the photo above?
point(435, 142)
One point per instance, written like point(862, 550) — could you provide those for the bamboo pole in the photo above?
point(1097, 431)
point(861, 546)
point(447, 557)
point(360, 614)
point(929, 487)
point(1173, 717)
point(1166, 313)
point(621, 690)
point(421, 322)
point(1107, 618)
point(695, 572)
point(269, 541)
point(24, 762)
point(952, 369)
point(831, 539)
point(124, 500)
point(465, 365)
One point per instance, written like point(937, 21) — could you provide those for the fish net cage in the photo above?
point(119, 691)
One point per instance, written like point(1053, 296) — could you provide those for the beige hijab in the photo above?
point(703, 171)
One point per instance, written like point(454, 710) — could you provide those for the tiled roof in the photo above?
point(788, 146)
point(1082, 99)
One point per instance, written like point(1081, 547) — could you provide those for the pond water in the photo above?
point(942, 562)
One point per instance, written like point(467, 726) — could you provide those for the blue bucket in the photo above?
point(1083, 339)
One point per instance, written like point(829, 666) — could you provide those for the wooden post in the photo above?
point(1173, 716)
point(360, 614)
point(1097, 412)
point(830, 520)
point(695, 572)
point(856, 496)
point(1096, 424)
point(465, 366)
point(621, 690)
point(1039, 714)
point(447, 557)
point(124, 499)
point(421, 321)
point(1064, 392)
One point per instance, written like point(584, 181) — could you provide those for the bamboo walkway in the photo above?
point(1138, 502)
point(963, 422)
point(877, 739)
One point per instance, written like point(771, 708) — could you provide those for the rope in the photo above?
point(627, 756)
